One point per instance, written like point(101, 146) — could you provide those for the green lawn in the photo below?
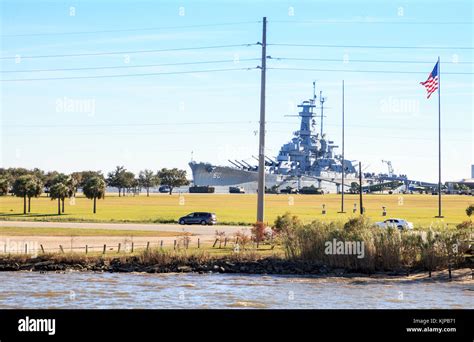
point(29, 231)
point(236, 208)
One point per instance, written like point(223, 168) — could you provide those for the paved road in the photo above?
point(194, 229)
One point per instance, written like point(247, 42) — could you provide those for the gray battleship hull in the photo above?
point(222, 177)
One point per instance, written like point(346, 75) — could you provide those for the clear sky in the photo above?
point(157, 121)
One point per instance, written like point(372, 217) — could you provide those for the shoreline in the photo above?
point(263, 266)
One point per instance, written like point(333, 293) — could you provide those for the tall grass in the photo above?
point(384, 248)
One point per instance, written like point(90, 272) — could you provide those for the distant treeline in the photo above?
point(27, 183)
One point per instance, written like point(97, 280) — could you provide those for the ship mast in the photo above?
point(314, 91)
point(321, 101)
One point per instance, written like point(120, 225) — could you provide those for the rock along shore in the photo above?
point(218, 265)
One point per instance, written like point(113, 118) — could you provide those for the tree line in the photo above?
point(58, 186)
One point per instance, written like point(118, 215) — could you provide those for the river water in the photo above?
point(197, 291)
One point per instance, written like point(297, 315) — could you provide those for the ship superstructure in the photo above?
point(309, 159)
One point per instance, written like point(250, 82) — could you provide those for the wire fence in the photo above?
point(182, 243)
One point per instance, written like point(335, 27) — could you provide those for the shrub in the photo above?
point(465, 225)
point(258, 231)
point(383, 248)
point(470, 210)
point(242, 239)
point(220, 236)
point(285, 222)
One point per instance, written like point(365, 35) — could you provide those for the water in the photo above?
point(197, 291)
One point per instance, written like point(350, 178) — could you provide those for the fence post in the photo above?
point(105, 247)
point(174, 247)
point(132, 247)
point(225, 241)
point(26, 248)
point(161, 244)
point(148, 245)
point(87, 249)
point(199, 243)
point(42, 248)
point(61, 248)
point(118, 249)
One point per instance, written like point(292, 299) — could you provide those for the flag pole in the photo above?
point(439, 139)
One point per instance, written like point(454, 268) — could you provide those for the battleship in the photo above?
point(308, 160)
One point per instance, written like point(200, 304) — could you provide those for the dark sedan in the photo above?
point(198, 218)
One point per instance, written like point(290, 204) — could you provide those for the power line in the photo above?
point(126, 30)
point(131, 51)
point(362, 60)
point(368, 21)
point(246, 132)
point(132, 66)
point(134, 124)
point(371, 71)
point(200, 123)
point(138, 29)
point(376, 46)
point(228, 61)
point(125, 75)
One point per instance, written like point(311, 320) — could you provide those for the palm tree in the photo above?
point(72, 185)
point(49, 180)
point(116, 178)
point(67, 181)
point(35, 188)
point(127, 181)
point(59, 191)
point(4, 186)
point(27, 186)
point(148, 179)
point(94, 188)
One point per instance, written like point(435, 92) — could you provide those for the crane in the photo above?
point(390, 167)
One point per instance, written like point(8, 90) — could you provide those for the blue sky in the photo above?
point(162, 120)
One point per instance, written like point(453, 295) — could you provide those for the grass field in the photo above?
point(28, 231)
point(237, 208)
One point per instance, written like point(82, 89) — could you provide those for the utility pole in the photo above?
point(440, 215)
point(261, 147)
point(342, 183)
point(360, 189)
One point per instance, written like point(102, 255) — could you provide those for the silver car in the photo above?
point(396, 223)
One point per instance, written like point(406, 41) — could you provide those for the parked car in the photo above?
point(198, 218)
point(395, 222)
point(164, 189)
point(236, 190)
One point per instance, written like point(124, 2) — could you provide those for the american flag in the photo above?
point(432, 83)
